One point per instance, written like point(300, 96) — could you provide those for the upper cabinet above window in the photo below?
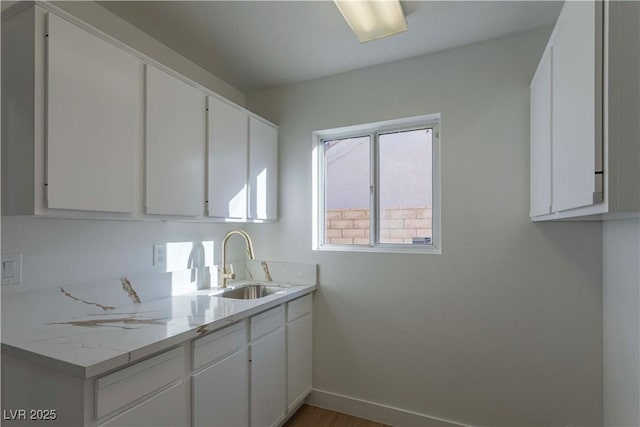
point(584, 108)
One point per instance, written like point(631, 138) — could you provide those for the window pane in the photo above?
point(347, 172)
point(406, 187)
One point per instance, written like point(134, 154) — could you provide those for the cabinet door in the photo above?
point(167, 408)
point(94, 95)
point(227, 160)
point(263, 170)
point(540, 143)
point(299, 348)
point(577, 106)
point(175, 146)
point(221, 393)
point(268, 384)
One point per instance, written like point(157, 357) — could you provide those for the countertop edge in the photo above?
point(119, 361)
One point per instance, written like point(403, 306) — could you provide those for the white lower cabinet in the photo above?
point(268, 369)
point(299, 350)
point(255, 372)
point(220, 392)
point(155, 387)
point(166, 408)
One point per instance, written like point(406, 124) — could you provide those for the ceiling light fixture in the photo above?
point(373, 19)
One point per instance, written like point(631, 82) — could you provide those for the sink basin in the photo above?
point(252, 292)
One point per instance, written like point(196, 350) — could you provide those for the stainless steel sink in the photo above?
point(252, 292)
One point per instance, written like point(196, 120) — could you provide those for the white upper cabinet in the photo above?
point(93, 129)
point(175, 146)
point(94, 93)
point(263, 170)
point(577, 106)
point(541, 137)
point(227, 160)
point(585, 101)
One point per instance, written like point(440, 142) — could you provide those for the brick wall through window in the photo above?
point(397, 225)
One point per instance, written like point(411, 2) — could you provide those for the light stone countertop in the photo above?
point(87, 332)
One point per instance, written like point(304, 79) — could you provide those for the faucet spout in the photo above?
point(228, 273)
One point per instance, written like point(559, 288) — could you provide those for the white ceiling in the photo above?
point(259, 44)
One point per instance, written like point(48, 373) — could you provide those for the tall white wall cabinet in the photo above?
point(263, 170)
point(227, 160)
point(541, 137)
point(243, 154)
point(175, 145)
point(94, 129)
point(585, 156)
point(93, 93)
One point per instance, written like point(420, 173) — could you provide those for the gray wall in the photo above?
point(621, 294)
point(503, 328)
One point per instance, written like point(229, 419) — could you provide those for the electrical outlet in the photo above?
point(11, 269)
point(159, 255)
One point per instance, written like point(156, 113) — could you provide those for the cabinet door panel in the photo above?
point(221, 393)
point(268, 384)
point(576, 105)
point(175, 146)
point(94, 95)
point(299, 348)
point(540, 143)
point(168, 408)
point(263, 170)
point(227, 160)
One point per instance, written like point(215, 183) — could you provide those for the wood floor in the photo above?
point(310, 416)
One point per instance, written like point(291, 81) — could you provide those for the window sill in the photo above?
point(423, 249)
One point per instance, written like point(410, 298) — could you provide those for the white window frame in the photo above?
point(373, 130)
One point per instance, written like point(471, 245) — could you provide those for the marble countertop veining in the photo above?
point(86, 333)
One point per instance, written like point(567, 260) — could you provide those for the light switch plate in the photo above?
point(11, 269)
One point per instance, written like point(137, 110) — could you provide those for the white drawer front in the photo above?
point(266, 322)
point(218, 344)
point(299, 307)
point(129, 384)
point(168, 408)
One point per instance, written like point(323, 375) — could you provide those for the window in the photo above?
point(376, 187)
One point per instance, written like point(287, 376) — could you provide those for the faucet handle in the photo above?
point(228, 272)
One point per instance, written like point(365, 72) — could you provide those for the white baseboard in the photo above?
point(375, 411)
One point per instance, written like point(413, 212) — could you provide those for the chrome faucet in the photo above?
point(228, 273)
